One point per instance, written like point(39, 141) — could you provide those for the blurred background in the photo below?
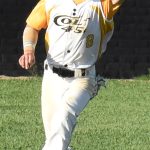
point(127, 55)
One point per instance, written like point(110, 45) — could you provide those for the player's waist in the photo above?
point(65, 72)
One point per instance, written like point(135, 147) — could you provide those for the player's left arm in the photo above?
point(116, 5)
point(110, 7)
point(117, 1)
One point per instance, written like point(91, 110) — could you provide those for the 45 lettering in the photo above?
point(68, 23)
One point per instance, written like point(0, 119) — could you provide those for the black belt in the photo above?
point(64, 72)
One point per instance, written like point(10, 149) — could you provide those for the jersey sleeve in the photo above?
point(109, 8)
point(37, 18)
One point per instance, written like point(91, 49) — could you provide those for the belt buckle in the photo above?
point(79, 72)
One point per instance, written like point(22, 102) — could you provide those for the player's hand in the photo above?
point(27, 60)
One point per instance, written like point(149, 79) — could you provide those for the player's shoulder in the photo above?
point(52, 3)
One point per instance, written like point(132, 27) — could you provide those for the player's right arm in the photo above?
point(30, 36)
point(35, 22)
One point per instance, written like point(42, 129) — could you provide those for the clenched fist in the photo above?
point(27, 60)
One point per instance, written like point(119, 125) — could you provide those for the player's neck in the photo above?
point(78, 1)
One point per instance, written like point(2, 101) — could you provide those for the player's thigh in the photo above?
point(78, 95)
point(53, 88)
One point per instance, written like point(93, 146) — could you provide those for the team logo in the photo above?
point(89, 40)
point(68, 23)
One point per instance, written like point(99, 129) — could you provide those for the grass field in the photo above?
point(117, 119)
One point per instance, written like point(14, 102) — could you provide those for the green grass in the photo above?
point(143, 77)
point(20, 123)
point(118, 118)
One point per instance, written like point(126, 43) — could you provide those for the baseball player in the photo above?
point(77, 32)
